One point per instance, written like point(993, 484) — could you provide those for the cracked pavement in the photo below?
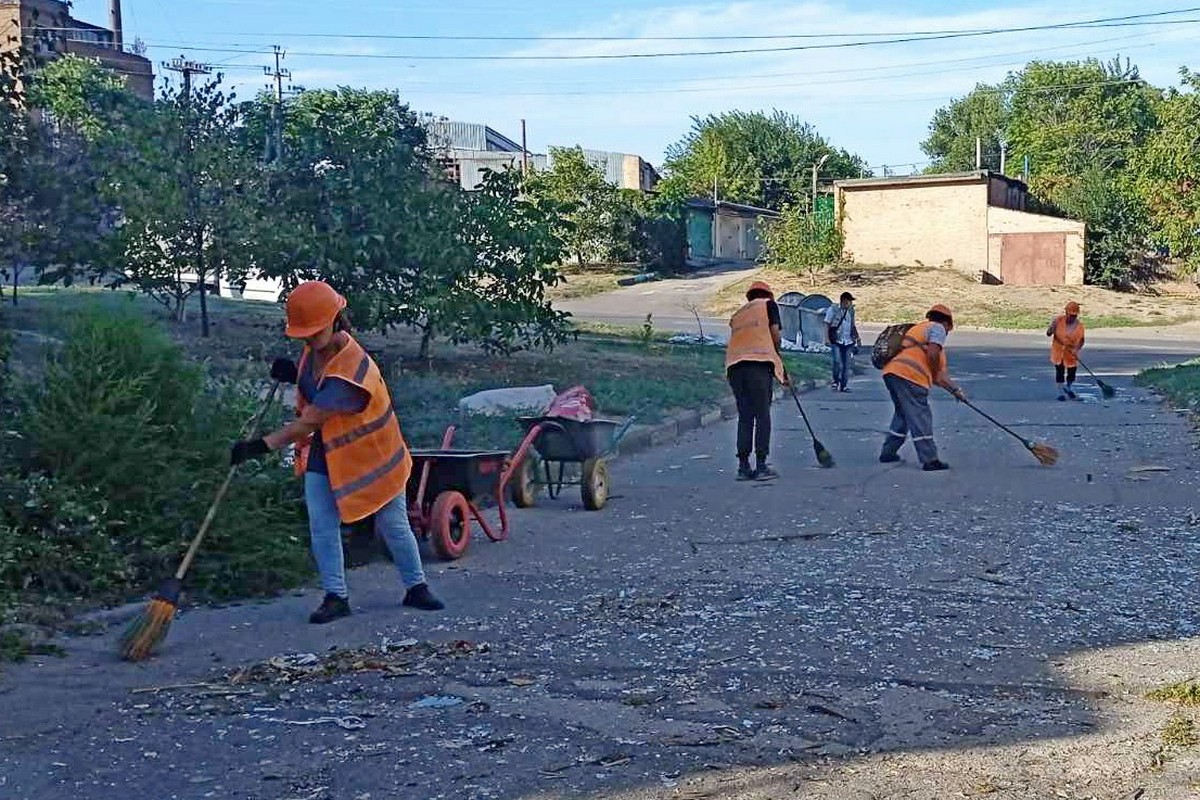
point(865, 631)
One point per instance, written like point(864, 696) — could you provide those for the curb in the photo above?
point(647, 437)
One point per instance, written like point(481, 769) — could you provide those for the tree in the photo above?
point(954, 128)
point(801, 241)
point(586, 199)
point(1073, 117)
point(177, 175)
point(1168, 171)
point(1118, 229)
point(358, 200)
point(755, 158)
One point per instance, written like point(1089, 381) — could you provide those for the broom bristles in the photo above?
point(148, 630)
point(1044, 453)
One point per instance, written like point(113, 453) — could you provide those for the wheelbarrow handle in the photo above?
point(620, 433)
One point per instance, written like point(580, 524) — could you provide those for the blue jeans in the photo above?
point(841, 363)
point(325, 528)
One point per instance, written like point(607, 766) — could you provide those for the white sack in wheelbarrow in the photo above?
point(531, 400)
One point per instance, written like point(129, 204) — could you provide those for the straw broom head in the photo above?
point(1044, 453)
point(150, 627)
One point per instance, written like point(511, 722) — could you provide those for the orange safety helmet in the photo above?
point(311, 307)
point(760, 286)
point(1072, 308)
point(944, 311)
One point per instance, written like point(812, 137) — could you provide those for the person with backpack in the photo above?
point(917, 363)
point(842, 335)
point(752, 364)
point(1067, 332)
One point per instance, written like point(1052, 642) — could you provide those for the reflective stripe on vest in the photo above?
point(912, 362)
point(750, 337)
point(1063, 340)
point(365, 453)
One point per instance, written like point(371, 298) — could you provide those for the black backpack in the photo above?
point(889, 343)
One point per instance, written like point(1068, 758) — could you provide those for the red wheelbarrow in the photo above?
point(445, 491)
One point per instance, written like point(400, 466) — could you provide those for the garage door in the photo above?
point(1033, 259)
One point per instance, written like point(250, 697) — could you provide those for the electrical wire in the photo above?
point(1134, 20)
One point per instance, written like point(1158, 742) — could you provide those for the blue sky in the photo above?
point(875, 101)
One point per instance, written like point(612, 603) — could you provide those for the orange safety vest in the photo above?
point(912, 363)
point(750, 337)
point(365, 453)
point(1064, 347)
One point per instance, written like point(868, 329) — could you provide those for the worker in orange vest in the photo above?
point(752, 364)
point(349, 448)
point(909, 375)
point(1066, 331)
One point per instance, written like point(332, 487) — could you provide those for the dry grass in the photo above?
point(1186, 693)
point(590, 279)
point(903, 294)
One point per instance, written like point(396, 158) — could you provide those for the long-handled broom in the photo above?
point(824, 457)
point(1105, 389)
point(151, 626)
point(1044, 453)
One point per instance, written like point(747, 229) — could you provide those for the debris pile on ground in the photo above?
point(394, 659)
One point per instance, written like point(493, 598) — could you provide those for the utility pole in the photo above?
point(1003, 155)
point(275, 136)
point(524, 151)
point(978, 153)
point(188, 69)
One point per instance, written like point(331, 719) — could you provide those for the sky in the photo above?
point(873, 100)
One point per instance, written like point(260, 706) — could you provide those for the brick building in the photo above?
point(47, 30)
point(975, 222)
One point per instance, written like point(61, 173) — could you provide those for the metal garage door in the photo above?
point(1033, 259)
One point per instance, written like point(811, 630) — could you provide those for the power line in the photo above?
point(1114, 22)
point(701, 38)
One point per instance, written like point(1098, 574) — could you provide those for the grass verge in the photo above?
point(590, 279)
point(1185, 693)
point(1180, 384)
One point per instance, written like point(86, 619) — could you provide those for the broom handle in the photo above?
point(996, 422)
point(803, 416)
point(194, 547)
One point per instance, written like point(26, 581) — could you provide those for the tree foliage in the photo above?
point(588, 204)
point(803, 242)
point(1167, 170)
point(982, 114)
point(357, 200)
point(755, 158)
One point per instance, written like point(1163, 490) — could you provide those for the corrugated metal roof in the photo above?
point(469, 136)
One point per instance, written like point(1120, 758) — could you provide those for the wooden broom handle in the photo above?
point(250, 429)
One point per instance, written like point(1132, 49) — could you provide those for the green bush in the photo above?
point(56, 540)
point(120, 409)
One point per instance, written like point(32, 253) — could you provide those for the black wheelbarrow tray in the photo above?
point(559, 441)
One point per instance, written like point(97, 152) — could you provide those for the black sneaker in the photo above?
point(935, 466)
point(744, 473)
point(420, 597)
point(886, 459)
point(765, 472)
point(332, 607)
point(1071, 395)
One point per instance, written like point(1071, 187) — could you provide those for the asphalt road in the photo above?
point(865, 631)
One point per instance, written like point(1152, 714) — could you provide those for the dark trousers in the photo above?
point(1059, 371)
point(753, 384)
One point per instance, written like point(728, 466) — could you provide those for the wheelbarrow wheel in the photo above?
point(450, 521)
point(524, 488)
point(594, 486)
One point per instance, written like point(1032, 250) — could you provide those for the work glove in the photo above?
point(246, 450)
point(959, 395)
point(284, 370)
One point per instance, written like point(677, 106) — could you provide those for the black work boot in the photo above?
point(764, 471)
point(744, 473)
point(889, 458)
point(420, 597)
point(332, 607)
point(935, 466)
